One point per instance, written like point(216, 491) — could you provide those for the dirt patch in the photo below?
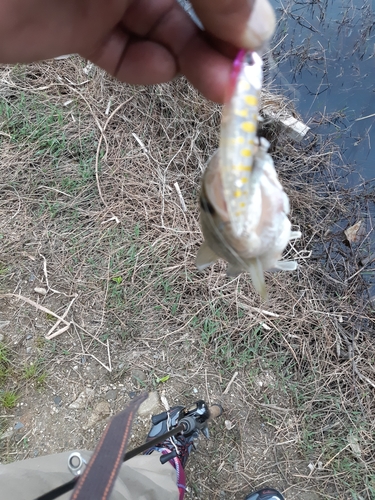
point(90, 213)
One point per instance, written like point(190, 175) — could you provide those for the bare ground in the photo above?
point(89, 211)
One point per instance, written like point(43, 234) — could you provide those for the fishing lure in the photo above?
point(243, 207)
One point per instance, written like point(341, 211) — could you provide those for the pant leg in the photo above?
point(140, 478)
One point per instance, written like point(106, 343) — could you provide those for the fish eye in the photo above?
point(206, 205)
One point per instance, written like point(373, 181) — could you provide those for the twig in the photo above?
point(182, 201)
point(108, 368)
point(23, 437)
point(95, 337)
point(116, 219)
point(164, 400)
point(109, 356)
point(60, 319)
point(34, 304)
point(364, 117)
point(88, 333)
point(158, 339)
point(145, 150)
point(208, 394)
point(46, 277)
point(230, 383)
point(19, 204)
point(56, 190)
point(363, 377)
point(59, 332)
point(102, 130)
point(51, 335)
point(261, 311)
point(275, 408)
point(337, 454)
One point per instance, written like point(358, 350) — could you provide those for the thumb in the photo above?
point(247, 24)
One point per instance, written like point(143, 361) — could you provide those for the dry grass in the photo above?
point(93, 194)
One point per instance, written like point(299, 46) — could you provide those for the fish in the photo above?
point(243, 207)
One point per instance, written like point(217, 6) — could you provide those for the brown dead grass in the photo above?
point(80, 190)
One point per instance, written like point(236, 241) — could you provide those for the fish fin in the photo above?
point(273, 269)
point(257, 277)
point(295, 235)
point(286, 265)
point(205, 257)
point(233, 271)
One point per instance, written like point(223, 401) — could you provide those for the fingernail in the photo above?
point(261, 25)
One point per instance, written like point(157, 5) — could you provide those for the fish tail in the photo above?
point(257, 277)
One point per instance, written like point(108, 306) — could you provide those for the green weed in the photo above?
point(117, 279)
point(40, 380)
point(3, 270)
point(34, 372)
point(29, 371)
point(162, 380)
point(4, 362)
point(37, 125)
point(8, 399)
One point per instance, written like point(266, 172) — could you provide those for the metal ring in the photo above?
point(76, 463)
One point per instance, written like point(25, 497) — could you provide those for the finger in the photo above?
point(135, 61)
point(163, 21)
point(146, 63)
point(207, 69)
point(245, 23)
point(143, 15)
point(178, 47)
point(200, 61)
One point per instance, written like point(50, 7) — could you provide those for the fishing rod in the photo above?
point(179, 421)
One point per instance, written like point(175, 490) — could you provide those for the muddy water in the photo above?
point(325, 61)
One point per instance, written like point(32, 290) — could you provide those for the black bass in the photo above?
point(243, 207)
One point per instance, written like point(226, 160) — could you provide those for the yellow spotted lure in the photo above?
point(238, 136)
point(243, 207)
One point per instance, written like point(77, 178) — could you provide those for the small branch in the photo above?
point(363, 377)
point(230, 383)
point(102, 136)
point(364, 117)
point(34, 304)
point(182, 201)
point(50, 335)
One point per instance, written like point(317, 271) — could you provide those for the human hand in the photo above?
point(138, 41)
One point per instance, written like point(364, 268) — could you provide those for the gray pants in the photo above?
point(140, 478)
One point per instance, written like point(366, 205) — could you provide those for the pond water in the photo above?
point(325, 60)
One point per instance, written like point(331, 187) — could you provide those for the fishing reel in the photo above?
point(182, 425)
point(192, 420)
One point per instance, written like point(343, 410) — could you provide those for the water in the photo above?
point(325, 56)
point(325, 61)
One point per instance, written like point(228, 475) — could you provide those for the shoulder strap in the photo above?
point(97, 480)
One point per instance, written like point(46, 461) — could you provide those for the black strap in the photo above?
point(98, 478)
point(60, 490)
